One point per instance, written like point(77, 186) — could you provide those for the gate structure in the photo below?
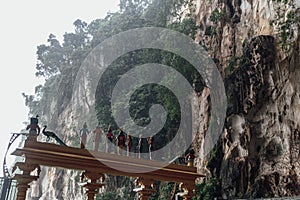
point(7, 183)
point(44, 154)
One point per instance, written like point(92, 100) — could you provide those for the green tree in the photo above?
point(108, 196)
point(50, 57)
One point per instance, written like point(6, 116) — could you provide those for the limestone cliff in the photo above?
point(256, 49)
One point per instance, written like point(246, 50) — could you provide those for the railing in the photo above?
point(8, 189)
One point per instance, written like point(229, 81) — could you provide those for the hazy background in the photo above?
point(24, 26)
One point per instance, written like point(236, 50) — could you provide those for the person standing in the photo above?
point(83, 133)
point(97, 137)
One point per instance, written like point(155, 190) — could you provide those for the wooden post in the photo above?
point(22, 190)
point(23, 185)
point(92, 189)
point(144, 187)
point(92, 185)
point(188, 190)
point(25, 178)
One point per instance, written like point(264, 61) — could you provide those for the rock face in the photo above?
point(259, 152)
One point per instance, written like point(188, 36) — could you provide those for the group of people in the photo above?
point(122, 141)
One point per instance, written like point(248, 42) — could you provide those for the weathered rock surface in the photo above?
point(259, 152)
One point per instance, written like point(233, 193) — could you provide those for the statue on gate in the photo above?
point(109, 139)
point(97, 137)
point(121, 139)
point(189, 158)
point(33, 127)
point(128, 144)
point(150, 141)
point(83, 133)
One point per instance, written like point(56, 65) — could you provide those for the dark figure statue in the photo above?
point(128, 144)
point(121, 139)
point(33, 127)
point(109, 139)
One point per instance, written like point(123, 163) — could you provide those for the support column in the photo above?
point(188, 189)
point(23, 185)
point(144, 187)
point(25, 178)
point(93, 184)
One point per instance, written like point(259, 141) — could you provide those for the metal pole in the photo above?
point(14, 193)
point(5, 188)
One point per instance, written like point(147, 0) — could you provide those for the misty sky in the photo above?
point(24, 26)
